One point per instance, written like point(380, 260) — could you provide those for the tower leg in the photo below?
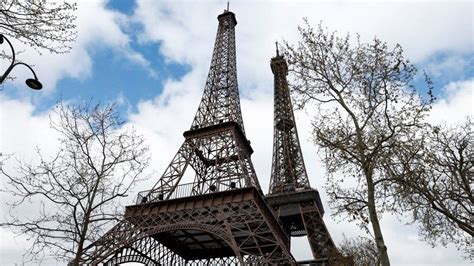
point(319, 239)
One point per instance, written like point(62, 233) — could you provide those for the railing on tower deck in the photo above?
point(187, 190)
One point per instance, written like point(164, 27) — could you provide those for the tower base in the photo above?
point(234, 225)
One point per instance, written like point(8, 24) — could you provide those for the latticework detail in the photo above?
point(288, 169)
point(220, 101)
point(236, 226)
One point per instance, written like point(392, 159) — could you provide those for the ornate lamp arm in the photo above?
point(32, 83)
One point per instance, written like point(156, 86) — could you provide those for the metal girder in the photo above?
point(320, 241)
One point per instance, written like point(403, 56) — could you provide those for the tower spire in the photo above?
point(277, 52)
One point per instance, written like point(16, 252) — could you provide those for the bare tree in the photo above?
point(362, 251)
point(366, 107)
point(67, 201)
point(439, 187)
point(43, 25)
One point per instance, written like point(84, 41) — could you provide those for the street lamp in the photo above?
point(32, 83)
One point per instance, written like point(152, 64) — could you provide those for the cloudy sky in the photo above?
point(152, 58)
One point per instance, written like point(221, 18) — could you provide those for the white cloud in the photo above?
point(21, 130)
point(457, 105)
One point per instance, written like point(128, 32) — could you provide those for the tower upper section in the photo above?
point(288, 169)
point(220, 101)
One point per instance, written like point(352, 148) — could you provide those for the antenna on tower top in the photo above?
point(276, 44)
point(227, 5)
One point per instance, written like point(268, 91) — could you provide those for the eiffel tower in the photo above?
point(221, 218)
point(298, 205)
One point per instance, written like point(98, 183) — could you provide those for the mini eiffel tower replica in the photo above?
point(298, 205)
point(219, 219)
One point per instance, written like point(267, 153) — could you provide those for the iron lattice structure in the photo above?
point(298, 206)
point(221, 217)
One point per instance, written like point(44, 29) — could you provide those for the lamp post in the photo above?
point(32, 83)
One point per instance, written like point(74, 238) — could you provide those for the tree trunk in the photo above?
point(382, 249)
point(84, 229)
point(77, 259)
point(80, 249)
